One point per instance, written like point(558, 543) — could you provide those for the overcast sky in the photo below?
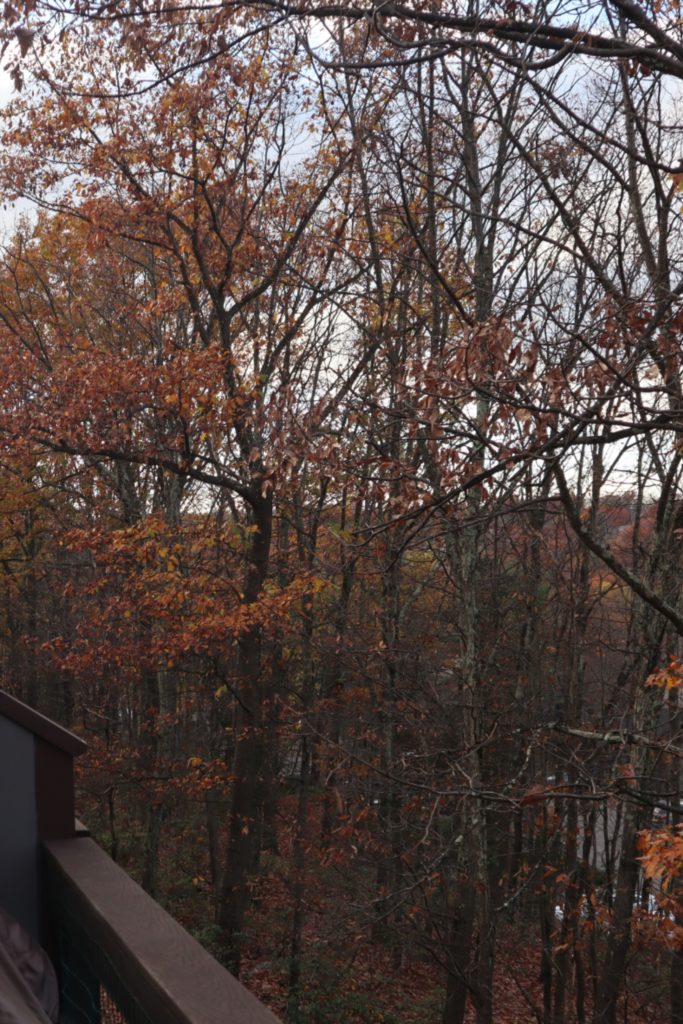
point(7, 215)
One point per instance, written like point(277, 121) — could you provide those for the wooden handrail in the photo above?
point(151, 966)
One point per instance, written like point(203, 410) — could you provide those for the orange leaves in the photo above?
point(661, 853)
point(160, 596)
point(668, 678)
point(201, 777)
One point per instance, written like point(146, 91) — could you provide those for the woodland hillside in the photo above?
point(340, 503)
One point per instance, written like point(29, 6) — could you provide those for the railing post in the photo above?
point(37, 755)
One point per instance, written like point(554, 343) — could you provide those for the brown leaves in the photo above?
point(24, 37)
point(535, 795)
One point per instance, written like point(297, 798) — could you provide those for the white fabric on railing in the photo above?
point(28, 986)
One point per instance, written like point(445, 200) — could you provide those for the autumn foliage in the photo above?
point(340, 415)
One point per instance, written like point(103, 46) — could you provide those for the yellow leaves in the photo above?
point(669, 678)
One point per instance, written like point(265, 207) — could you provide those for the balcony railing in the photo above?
point(106, 933)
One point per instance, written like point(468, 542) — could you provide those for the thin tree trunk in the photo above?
point(250, 753)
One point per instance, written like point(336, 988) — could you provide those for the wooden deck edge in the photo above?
point(139, 946)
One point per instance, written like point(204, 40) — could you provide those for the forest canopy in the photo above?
point(340, 445)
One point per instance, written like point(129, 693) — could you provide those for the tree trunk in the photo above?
point(249, 758)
